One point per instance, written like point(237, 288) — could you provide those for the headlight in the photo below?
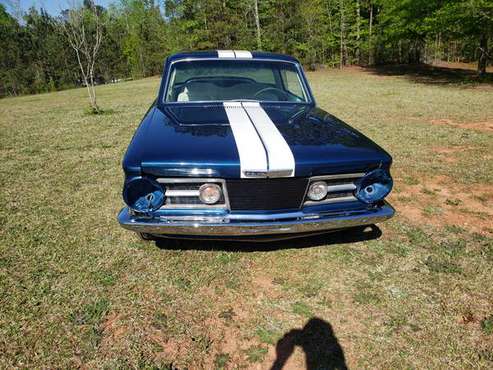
point(210, 193)
point(374, 186)
point(143, 195)
point(317, 190)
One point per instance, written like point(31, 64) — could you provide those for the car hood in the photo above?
point(197, 140)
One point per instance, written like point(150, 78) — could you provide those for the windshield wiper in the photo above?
point(248, 100)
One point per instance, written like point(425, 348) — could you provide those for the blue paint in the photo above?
point(181, 137)
point(195, 140)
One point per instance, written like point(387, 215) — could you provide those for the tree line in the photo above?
point(38, 54)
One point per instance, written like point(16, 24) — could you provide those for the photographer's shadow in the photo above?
point(317, 339)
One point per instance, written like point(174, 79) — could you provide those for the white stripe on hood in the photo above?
point(280, 158)
point(235, 54)
point(253, 158)
point(225, 54)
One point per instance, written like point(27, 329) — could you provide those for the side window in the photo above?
point(292, 83)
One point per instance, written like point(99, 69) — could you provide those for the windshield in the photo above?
point(229, 80)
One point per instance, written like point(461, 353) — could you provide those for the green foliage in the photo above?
point(221, 361)
point(139, 34)
point(256, 353)
point(487, 325)
point(302, 309)
point(91, 313)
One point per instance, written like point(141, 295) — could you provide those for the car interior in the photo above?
point(224, 88)
point(201, 81)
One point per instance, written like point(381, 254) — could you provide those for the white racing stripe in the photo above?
point(226, 54)
point(280, 158)
point(253, 159)
point(243, 54)
point(235, 54)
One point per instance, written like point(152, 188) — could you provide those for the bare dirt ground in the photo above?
point(486, 126)
point(440, 201)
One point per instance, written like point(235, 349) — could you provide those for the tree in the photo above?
point(37, 49)
point(144, 41)
point(11, 64)
point(84, 32)
point(468, 18)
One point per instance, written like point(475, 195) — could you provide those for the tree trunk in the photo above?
point(257, 24)
point(91, 92)
point(94, 104)
point(435, 57)
point(400, 52)
point(370, 46)
point(358, 33)
point(483, 56)
point(331, 28)
point(341, 11)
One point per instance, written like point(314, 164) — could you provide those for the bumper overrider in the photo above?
point(237, 225)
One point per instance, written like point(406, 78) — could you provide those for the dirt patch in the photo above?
point(440, 201)
point(113, 328)
point(264, 287)
point(485, 126)
point(447, 149)
point(449, 154)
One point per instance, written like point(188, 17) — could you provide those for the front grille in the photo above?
point(266, 194)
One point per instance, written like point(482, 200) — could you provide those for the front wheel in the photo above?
point(145, 236)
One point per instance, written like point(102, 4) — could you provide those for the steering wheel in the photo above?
point(281, 95)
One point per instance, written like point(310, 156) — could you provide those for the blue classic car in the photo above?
point(235, 147)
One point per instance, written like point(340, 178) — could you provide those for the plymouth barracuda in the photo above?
point(235, 146)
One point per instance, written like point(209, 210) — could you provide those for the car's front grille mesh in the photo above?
point(266, 194)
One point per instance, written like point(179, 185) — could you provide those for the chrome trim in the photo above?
point(166, 180)
point(350, 198)
point(342, 187)
point(200, 206)
point(226, 226)
point(338, 176)
point(269, 174)
point(187, 172)
point(181, 193)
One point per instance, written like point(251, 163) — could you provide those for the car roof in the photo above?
point(257, 55)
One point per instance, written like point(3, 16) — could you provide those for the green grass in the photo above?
point(256, 353)
point(76, 290)
point(487, 325)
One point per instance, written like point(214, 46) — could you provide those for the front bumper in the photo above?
point(238, 225)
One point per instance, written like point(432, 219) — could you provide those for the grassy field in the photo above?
point(76, 290)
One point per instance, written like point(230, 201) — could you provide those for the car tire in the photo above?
point(145, 236)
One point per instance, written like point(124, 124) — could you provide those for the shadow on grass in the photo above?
point(100, 112)
point(318, 341)
point(351, 235)
point(434, 75)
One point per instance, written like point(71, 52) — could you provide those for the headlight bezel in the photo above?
point(143, 194)
point(374, 186)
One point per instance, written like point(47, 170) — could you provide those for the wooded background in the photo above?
point(138, 35)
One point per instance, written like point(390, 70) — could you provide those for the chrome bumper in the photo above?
point(231, 225)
